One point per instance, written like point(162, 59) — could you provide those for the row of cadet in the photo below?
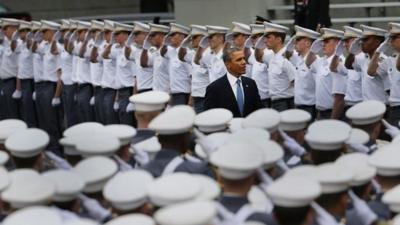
point(179, 168)
point(79, 71)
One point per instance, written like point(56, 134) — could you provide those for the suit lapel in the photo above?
point(246, 94)
point(230, 95)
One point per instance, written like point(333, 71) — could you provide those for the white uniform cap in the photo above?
point(158, 28)
point(178, 28)
point(257, 29)
point(9, 22)
point(210, 190)
point(4, 157)
point(216, 30)
point(68, 184)
point(306, 171)
point(141, 27)
point(83, 25)
point(250, 134)
point(241, 28)
point(198, 30)
point(263, 118)
point(392, 199)
point(128, 190)
point(253, 223)
point(213, 120)
point(69, 144)
point(96, 171)
point(35, 215)
point(122, 27)
point(174, 188)
point(237, 160)
point(386, 160)
point(188, 213)
point(35, 25)
point(150, 146)
point(394, 28)
point(294, 119)
point(215, 139)
point(73, 24)
point(28, 188)
point(27, 143)
point(82, 128)
point(236, 124)
point(10, 126)
point(333, 178)
point(108, 25)
point(96, 25)
point(176, 120)
point(329, 125)
point(258, 199)
point(150, 101)
point(274, 28)
point(351, 32)
point(304, 32)
point(123, 132)
point(99, 143)
point(331, 33)
point(358, 164)
point(366, 112)
point(23, 25)
point(4, 179)
point(358, 136)
point(282, 194)
point(132, 219)
point(375, 31)
point(65, 24)
point(49, 25)
point(81, 221)
point(327, 134)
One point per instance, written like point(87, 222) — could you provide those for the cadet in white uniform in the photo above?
point(25, 75)
point(304, 82)
point(9, 69)
point(179, 72)
point(151, 57)
point(320, 66)
point(280, 71)
point(199, 75)
point(237, 37)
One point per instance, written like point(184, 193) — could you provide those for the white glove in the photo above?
point(95, 210)
point(355, 47)
point(67, 35)
point(384, 46)
point(59, 162)
point(57, 36)
point(123, 166)
point(207, 146)
point(376, 186)
point(204, 42)
point(15, 35)
point(92, 101)
point(112, 40)
point(292, 145)
point(55, 101)
point(87, 36)
point(186, 42)
point(316, 46)
point(130, 107)
point(34, 96)
point(129, 41)
point(38, 37)
point(116, 106)
point(140, 156)
point(339, 48)
point(362, 210)
point(17, 94)
point(390, 129)
point(248, 43)
point(73, 37)
point(260, 43)
point(229, 38)
point(358, 148)
point(291, 43)
point(146, 43)
point(282, 165)
point(323, 217)
point(166, 40)
point(98, 40)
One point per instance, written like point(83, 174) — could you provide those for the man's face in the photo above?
point(255, 37)
point(176, 39)
point(196, 40)
point(48, 35)
point(156, 39)
point(9, 30)
point(139, 37)
point(347, 43)
point(395, 41)
point(369, 44)
point(216, 40)
point(22, 33)
point(302, 44)
point(237, 64)
point(329, 46)
point(271, 41)
point(107, 35)
point(239, 39)
point(121, 36)
point(81, 35)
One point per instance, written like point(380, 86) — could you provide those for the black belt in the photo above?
point(125, 89)
point(283, 100)
point(145, 90)
point(178, 94)
point(84, 85)
point(9, 79)
point(395, 107)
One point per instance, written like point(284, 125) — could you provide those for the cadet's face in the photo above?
point(239, 39)
point(156, 39)
point(120, 37)
point(176, 39)
point(395, 41)
point(81, 35)
point(255, 37)
point(329, 46)
point(48, 35)
point(196, 40)
point(216, 40)
point(347, 43)
point(22, 34)
point(107, 35)
point(9, 30)
point(271, 41)
point(139, 37)
point(302, 44)
point(369, 44)
point(237, 64)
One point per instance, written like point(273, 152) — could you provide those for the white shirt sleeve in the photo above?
point(289, 69)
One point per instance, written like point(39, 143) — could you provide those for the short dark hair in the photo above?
point(319, 157)
point(329, 200)
point(291, 216)
point(29, 163)
point(282, 36)
point(228, 51)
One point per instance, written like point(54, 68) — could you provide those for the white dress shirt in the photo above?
point(233, 82)
point(9, 61)
point(66, 66)
point(323, 83)
point(160, 70)
point(125, 71)
point(388, 66)
point(304, 82)
point(144, 75)
point(25, 61)
point(259, 73)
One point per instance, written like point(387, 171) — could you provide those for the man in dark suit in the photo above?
point(234, 92)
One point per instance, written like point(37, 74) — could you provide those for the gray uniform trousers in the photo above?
point(10, 105)
point(123, 100)
point(69, 104)
point(85, 110)
point(27, 105)
point(110, 116)
point(98, 96)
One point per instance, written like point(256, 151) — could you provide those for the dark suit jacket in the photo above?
point(219, 94)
